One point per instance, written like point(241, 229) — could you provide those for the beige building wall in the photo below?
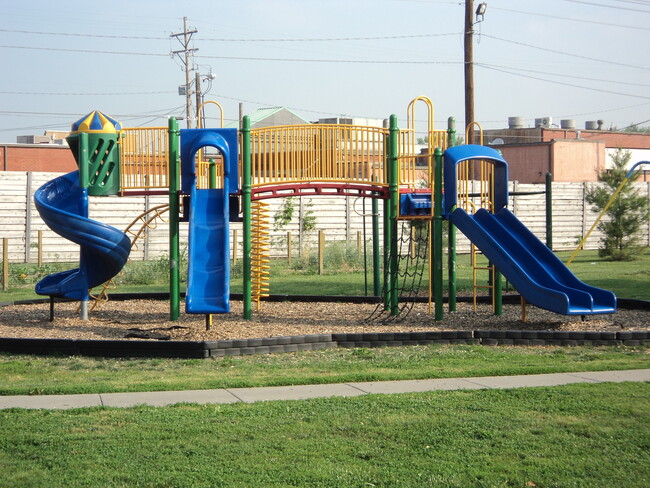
point(577, 160)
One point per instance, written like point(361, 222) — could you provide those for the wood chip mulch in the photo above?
point(137, 319)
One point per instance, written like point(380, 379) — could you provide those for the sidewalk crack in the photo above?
point(239, 399)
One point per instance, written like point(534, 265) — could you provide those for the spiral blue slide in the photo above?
point(104, 249)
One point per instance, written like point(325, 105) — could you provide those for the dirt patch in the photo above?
point(136, 319)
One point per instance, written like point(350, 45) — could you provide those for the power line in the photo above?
point(329, 39)
point(569, 19)
point(72, 34)
point(238, 58)
point(594, 4)
point(91, 51)
point(344, 61)
point(241, 39)
point(562, 83)
point(80, 94)
point(564, 52)
point(564, 75)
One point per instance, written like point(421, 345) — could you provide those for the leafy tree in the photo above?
point(627, 213)
point(286, 212)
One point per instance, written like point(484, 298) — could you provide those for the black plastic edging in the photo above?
point(271, 345)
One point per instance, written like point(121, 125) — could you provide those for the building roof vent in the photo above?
point(568, 124)
point(515, 122)
point(591, 125)
point(544, 122)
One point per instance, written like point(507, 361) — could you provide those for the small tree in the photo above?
point(626, 214)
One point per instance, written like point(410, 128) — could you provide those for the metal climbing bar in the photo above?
point(631, 174)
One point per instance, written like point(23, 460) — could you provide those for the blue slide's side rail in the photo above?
point(604, 300)
point(104, 249)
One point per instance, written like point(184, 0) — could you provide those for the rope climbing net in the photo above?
point(413, 252)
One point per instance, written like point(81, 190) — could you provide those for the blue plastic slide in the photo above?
point(537, 274)
point(208, 269)
point(104, 249)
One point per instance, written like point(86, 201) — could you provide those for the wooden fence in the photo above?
point(341, 218)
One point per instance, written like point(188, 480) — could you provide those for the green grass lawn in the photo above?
point(588, 435)
point(627, 279)
point(65, 375)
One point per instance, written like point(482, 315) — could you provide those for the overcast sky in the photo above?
point(567, 59)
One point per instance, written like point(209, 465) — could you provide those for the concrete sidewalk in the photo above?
point(251, 395)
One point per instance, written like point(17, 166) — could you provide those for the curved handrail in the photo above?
point(200, 112)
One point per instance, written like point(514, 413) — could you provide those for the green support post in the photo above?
point(549, 211)
point(498, 293)
point(387, 240)
point(393, 188)
point(83, 184)
point(174, 209)
point(451, 266)
point(213, 174)
point(376, 263)
point(246, 208)
point(451, 251)
point(83, 160)
point(436, 279)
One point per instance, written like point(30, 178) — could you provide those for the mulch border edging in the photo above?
point(313, 342)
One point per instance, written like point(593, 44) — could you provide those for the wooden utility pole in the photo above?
point(199, 100)
point(187, 53)
point(469, 68)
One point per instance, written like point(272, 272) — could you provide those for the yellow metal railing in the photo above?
point(144, 163)
point(288, 154)
point(318, 152)
point(416, 169)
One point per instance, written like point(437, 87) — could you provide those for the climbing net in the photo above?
point(413, 260)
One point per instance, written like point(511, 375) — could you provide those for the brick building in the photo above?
point(570, 155)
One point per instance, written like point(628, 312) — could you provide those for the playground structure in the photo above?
point(249, 166)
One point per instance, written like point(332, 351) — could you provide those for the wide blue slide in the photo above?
point(537, 274)
point(532, 268)
point(208, 268)
point(104, 249)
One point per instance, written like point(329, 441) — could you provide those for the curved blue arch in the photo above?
point(224, 140)
point(456, 155)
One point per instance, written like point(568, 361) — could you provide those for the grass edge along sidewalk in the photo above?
point(571, 435)
point(305, 392)
point(34, 375)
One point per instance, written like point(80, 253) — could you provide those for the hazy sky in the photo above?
point(567, 59)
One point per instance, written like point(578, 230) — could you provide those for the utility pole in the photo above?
point(469, 69)
point(199, 100)
point(184, 38)
point(470, 22)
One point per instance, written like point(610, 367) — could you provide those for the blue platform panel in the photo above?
point(208, 280)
